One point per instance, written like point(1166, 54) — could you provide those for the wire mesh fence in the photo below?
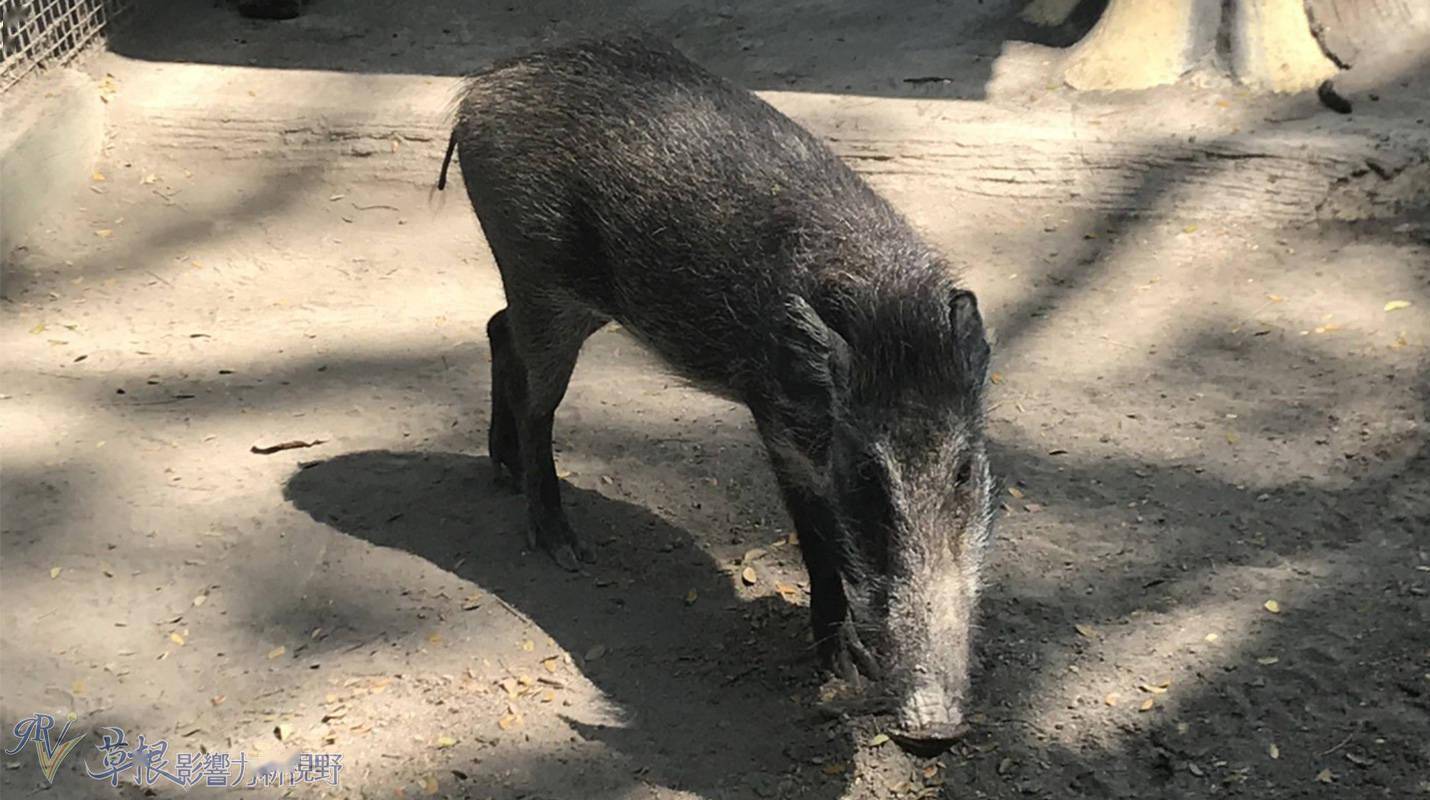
point(36, 33)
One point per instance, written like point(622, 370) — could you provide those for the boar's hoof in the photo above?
point(565, 557)
point(842, 667)
point(849, 659)
point(863, 659)
point(561, 542)
point(571, 555)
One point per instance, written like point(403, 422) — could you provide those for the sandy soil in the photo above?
point(1197, 422)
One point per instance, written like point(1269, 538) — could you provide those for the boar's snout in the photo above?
point(931, 713)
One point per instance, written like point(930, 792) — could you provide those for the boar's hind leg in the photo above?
point(546, 341)
point(502, 442)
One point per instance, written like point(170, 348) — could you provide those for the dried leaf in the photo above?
point(1190, 229)
point(1232, 438)
point(748, 576)
point(1112, 698)
point(277, 652)
point(217, 700)
point(551, 664)
point(98, 177)
point(444, 741)
point(595, 652)
point(996, 377)
point(528, 646)
point(1273, 751)
point(1326, 776)
point(509, 685)
point(104, 233)
point(1086, 631)
point(1267, 661)
point(788, 591)
point(1147, 704)
point(1272, 606)
point(879, 740)
point(1212, 637)
point(177, 638)
point(1152, 688)
point(1016, 492)
point(752, 554)
point(509, 721)
point(55, 572)
point(1396, 305)
point(471, 603)
point(200, 600)
point(691, 596)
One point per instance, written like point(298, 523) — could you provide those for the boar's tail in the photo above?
point(447, 160)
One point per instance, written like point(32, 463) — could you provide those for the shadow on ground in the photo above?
point(928, 48)
point(703, 707)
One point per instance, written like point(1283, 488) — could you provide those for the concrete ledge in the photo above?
point(1112, 159)
point(52, 133)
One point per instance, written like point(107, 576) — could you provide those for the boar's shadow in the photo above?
point(710, 702)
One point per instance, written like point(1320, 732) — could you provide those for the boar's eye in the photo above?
point(965, 473)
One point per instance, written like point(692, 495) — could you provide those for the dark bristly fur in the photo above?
point(616, 180)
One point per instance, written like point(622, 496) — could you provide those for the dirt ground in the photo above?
point(1210, 574)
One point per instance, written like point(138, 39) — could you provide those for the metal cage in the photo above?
point(36, 33)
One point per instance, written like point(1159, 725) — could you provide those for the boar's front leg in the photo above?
point(836, 642)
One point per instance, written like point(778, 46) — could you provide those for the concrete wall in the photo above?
point(51, 132)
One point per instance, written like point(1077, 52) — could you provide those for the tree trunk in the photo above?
point(1272, 47)
point(1138, 44)
point(1355, 31)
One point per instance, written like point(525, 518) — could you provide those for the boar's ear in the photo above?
point(814, 358)
point(969, 341)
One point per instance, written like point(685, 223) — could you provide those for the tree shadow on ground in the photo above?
point(927, 48)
